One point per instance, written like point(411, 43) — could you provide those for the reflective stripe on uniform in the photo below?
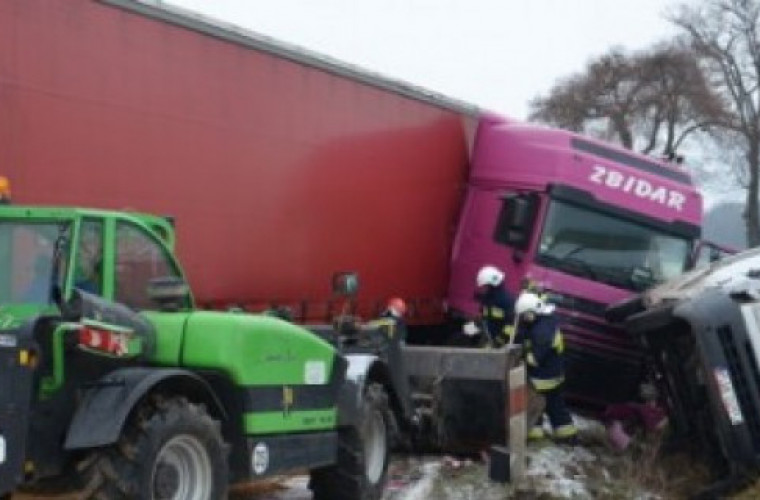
point(546, 384)
point(536, 433)
point(564, 431)
point(384, 323)
point(559, 342)
point(496, 312)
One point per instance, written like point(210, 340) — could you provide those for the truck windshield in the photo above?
point(27, 251)
point(608, 249)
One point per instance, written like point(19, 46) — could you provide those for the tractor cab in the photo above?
point(46, 254)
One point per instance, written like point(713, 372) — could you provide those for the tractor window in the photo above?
point(139, 259)
point(88, 273)
point(27, 252)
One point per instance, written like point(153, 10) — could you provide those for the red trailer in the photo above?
point(283, 167)
point(280, 166)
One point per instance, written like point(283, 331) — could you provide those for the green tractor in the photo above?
point(112, 382)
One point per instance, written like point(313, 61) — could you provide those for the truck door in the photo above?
point(496, 228)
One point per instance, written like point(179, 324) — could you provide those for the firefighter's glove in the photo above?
point(470, 329)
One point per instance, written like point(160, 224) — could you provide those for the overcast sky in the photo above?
point(497, 54)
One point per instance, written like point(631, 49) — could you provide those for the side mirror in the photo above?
point(169, 292)
point(345, 284)
point(83, 305)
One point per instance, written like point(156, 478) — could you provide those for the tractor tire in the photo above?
point(363, 454)
point(171, 449)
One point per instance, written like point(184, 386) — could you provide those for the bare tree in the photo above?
point(725, 35)
point(655, 98)
point(676, 99)
point(606, 90)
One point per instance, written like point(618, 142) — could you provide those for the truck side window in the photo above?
point(139, 259)
point(515, 222)
point(88, 273)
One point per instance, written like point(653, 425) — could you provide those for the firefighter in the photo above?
point(496, 308)
point(392, 322)
point(395, 311)
point(544, 347)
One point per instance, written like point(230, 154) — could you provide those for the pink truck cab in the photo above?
point(590, 223)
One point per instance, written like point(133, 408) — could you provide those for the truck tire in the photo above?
point(363, 454)
point(171, 449)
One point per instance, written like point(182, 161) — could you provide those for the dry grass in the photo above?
point(643, 468)
point(641, 471)
point(248, 490)
point(750, 492)
point(242, 491)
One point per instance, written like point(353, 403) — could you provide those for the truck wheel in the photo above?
point(363, 455)
point(172, 449)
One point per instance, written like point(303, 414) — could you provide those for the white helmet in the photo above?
point(489, 275)
point(530, 302)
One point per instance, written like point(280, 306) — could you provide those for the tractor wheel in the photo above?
point(363, 455)
point(172, 449)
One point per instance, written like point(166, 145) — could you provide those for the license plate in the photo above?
point(2, 449)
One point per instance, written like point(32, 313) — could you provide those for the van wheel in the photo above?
point(172, 449)
point(363, 455)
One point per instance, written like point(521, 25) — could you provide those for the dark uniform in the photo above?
point(544, 348)
point(497, 313)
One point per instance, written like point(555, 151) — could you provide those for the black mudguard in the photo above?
point(107, 404)
point(16, 388)
point(358, 370)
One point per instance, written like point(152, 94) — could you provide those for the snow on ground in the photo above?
point(418, 484)
point(558, 471)
point(589, 470)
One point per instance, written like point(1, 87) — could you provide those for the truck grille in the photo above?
point(594, 347)
point(574, 303)
point(746, 379)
